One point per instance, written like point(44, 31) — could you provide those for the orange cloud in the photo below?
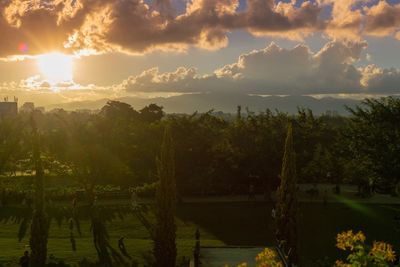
point(382, 19)
point(133, 26)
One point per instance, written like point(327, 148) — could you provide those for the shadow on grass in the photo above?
point(250, 224)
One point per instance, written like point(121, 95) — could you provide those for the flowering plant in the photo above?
point(380, 254)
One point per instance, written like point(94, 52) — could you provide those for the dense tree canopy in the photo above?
point(215, 153)
point(375, 138)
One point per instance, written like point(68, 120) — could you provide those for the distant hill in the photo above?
point(227, 103)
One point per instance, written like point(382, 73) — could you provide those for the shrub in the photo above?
point(146, 190)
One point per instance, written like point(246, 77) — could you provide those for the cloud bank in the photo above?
point(278, 71)
point(134, 26)
point(333, 70)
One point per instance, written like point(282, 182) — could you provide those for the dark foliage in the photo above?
point(40, 223)
point(286, 206)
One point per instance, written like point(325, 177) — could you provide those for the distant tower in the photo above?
point(8, 108)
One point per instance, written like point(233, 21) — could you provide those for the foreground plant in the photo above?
point(380, 254)
point(267, 258)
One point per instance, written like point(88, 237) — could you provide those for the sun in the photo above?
point(56, 67)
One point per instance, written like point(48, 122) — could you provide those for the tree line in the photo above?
point(214, 154)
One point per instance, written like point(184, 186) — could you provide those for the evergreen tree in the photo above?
point(286, 209)
point(40, 222)
point(165, 229)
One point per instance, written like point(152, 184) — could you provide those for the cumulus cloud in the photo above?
point(33, 27)
point(42, 92)
point(376, 79)
point(356, 18)
point(183, 80)
point(345, 21)
point(284, 19)
point(37, 82)
point(275, 70)
point(134, 26)
point(383, 19)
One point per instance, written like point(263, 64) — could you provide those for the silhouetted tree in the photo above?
point(286, 209)
point(151, 113)
point(320, 166)
point(40, 222)
point(118, 110)
point(11, 134)
point(374, 137)
point(165, 229)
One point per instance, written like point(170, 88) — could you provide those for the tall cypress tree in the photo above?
point(40, 222)
point(165, 229)
point(286, 210)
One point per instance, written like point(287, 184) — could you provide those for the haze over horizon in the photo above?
point(58, 52)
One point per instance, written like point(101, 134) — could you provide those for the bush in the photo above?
point(146, 190)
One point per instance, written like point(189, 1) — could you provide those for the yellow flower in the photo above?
point(383, 250)
point(268, 258)
point(348, 240)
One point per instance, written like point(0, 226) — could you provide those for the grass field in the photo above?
point(239, 223)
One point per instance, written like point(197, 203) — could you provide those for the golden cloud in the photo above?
point(134, 26)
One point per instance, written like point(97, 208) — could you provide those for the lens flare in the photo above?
point(23, 47)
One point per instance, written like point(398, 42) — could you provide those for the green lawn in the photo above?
point(240, 223)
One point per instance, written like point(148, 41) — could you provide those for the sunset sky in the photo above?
point(58, 51)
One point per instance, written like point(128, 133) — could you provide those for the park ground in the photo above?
point(234, 223)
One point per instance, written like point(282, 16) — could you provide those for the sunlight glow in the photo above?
point(56, 67)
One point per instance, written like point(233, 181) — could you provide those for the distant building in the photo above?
point(27, 107)
point(8, 108)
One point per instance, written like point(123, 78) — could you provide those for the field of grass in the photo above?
point(239, 223)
